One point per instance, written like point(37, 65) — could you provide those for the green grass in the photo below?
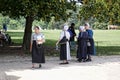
point(107, 37)
point(107, 42)
point(51, 37)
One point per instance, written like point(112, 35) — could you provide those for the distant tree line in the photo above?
point(19, 24)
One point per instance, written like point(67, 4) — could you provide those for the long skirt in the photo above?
point(38, 53)
point(82, 49)
point(91, 49)
point(65, 51)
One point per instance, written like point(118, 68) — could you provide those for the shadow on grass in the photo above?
point(108, 50)
point(13, 34)
point(50, 48)
point(50, 42)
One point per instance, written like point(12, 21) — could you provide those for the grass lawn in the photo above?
point(107, 42)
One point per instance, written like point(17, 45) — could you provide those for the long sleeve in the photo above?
point(61, 35)
point(66, 33)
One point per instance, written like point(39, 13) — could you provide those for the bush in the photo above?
point(98, 25)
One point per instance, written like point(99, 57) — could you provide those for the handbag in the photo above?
point(63, 40)
point(88, 43)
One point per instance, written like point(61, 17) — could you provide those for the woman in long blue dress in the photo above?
point(91, 49)
point(82, 44)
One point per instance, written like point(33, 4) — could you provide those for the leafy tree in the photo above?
point(102, 10)
point(35, 9)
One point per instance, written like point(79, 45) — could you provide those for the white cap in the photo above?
point(82, 28)
point(65, 28)
point(87, 24)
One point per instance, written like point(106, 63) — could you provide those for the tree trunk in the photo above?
point(27, 33)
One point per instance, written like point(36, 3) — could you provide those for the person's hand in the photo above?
point(57, 43)
point(76, 37)
point(39, 41)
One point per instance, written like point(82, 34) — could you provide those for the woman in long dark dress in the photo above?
point(82, 44)
point(64, 48)
point(37, 48)
point(91, 49)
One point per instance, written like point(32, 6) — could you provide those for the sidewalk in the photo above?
point(19, 68)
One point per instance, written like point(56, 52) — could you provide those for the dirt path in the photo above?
point(19, 68)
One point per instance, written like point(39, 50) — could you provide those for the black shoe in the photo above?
point(88, 60)
point(84, 60)
point(40, 65)
point(64, 63)
point(79, 60)
point(33, 67)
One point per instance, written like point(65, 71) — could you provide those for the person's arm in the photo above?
point(58, 42)
point(30, 46)
point(61, 36)
point(74, 32)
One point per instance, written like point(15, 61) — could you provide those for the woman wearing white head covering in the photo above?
point(37, 48)
point(82, 44)
point(64, 48)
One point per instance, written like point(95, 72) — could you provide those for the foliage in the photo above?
point(35, 9)
point(102, 26)
point(12, 24)
point(39, 9)
point(102, 10)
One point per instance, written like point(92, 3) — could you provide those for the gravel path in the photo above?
point(19, 68)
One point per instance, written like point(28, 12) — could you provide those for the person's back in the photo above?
point(2, 36)
point(83, 37)
point(8, 39)
point(72, 32)
point(90, 33)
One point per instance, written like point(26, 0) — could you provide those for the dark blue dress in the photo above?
point(38, 53)
point(91, 49)
point(82, 45)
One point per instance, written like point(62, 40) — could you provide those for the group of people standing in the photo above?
point(85, 44)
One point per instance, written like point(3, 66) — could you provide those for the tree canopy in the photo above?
point(35, 9)
point(102, 10)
